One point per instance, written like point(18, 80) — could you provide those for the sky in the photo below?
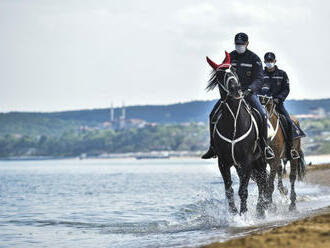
point(67, 55)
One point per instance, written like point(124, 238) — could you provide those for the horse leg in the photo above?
point(293, 175)
point(283, 190)
point(270, 182)
point(225, 172)
point(244, 177)
point(261, 179)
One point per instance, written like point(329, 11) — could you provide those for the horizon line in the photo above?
point(136, 105)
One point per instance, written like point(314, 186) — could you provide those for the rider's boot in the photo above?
point(210, 153)
point(291, 152)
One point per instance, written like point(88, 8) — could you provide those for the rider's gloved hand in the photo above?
point(248, 92)
point(277, 101)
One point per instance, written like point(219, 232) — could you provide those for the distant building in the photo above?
point(121, 122)
point(319, 112)
point(122, 118)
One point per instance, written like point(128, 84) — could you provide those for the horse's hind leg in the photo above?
point(225, 172)
point(283, 190)
point(293, 175)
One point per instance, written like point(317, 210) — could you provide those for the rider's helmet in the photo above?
point(241, 38)
point(269, 56)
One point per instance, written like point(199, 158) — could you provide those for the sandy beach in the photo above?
point(310, 232)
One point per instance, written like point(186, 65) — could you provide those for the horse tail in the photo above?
point(301, 166)
point(301, 169)
point(284, 171)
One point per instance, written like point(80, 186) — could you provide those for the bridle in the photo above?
point(226, 80)
point(241, 100)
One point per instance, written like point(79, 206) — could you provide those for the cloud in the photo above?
point(68, 55)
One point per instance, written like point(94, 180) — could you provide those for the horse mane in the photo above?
point(213, 82)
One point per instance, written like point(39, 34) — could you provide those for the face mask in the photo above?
point(270, 65)
point(240, 48)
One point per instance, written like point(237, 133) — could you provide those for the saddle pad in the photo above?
point(270, 129)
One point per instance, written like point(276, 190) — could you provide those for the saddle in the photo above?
point(256, 115)
point(270, 130)
point(297, 132)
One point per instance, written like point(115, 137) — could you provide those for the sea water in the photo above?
point(131, 203)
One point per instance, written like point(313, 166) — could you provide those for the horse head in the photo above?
point(267, 100)
point(224, 75)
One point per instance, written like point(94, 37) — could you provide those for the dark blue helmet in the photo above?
point(241, 38)
point(269, 56)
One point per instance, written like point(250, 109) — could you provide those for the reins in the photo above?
point(234, 141)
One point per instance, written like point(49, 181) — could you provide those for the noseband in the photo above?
point(225, 86)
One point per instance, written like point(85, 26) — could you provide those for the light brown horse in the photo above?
point(297, 166)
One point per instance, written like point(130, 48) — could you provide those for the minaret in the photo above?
point(112, 113)
point(123, 112)
point(122, 117)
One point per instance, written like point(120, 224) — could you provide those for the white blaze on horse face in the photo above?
point(230, 76)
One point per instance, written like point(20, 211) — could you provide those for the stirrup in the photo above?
point(271, 153)
point(294, 154)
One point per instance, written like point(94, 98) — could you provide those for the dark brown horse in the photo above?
point(297, 166)
point(235, 138)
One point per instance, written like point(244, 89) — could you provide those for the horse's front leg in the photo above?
point(244, 177)
point(270, 182)
point(225, 172)
point(261, 178)
point(293, 176)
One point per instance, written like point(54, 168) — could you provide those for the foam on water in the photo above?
point(159, 203)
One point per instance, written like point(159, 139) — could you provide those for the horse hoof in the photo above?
point(272, 208)
point(261, 214)
point(243, 211)
point(292, 207)
point(233, 210)
point(283, 190)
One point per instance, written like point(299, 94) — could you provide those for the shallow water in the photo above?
point(129, 203)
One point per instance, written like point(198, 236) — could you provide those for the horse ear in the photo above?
point(211, 63)
point(226, 63)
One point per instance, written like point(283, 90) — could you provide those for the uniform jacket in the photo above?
point(277, 82)
point(249, 69)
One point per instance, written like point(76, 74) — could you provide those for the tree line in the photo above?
point(190, 137)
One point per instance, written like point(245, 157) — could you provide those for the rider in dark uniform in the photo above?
point(276, 84)
point(250, 74)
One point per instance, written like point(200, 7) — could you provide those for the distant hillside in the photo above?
point(55, 123)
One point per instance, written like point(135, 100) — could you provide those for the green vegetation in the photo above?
point(318, 136)
point(60, 133)
point(72, 143)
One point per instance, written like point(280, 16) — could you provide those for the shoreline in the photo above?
point(312, 231)
point(319, 159)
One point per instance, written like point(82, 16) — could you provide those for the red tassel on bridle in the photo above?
point(225, 64)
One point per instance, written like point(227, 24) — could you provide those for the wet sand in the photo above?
point(310, 232)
